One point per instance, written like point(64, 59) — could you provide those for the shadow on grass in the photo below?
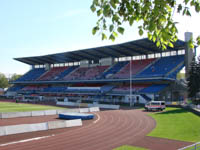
point(176, 111)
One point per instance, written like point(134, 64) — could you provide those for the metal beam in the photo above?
point(152, 50)
point(80, 56)
point(94, 54)
point(101, 52)
point(89, 55)
point(70, 58)
point(136, 51)
point(63, 58)
point(34, 62)
point(125, 53)
point(25, 61)
point(44, 59)
point(109, 53)
point(97, 52)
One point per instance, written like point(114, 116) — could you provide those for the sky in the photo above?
point(40, 27)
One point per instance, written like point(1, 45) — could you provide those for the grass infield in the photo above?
point(18, 107)
point(126, 147)
point(176, 124)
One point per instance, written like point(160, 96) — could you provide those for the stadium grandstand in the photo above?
point(134, 71)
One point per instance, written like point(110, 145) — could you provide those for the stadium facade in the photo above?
point(136, 71)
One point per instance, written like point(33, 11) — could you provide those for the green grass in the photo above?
point(126, 147)
point(18, 107)
point(177, 124)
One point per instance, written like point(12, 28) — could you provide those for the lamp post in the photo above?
point(131, 82)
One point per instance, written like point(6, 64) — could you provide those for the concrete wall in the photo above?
point(24, 128)
point(50, 112)
point(84, 110)
point(56, 124)
point(94, 109)
point(37, 113)
point(31, 113)
point(2, 131)
point(105, 106)
point(74, 123)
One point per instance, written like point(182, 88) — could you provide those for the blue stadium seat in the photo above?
point(161, 67)
point(154, 88)
point(114, 69)
point(66, 72)
point(16, 88)
point(32, 75)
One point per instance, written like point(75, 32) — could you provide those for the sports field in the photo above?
point(19, 107)
point(177, 124)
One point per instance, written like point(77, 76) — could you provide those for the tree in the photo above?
point(156, 17)
point(194, 79)
point(3, 81)
point(15, 77)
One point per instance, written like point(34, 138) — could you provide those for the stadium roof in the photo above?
point(132, 48)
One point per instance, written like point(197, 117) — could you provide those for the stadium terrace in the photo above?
point(132, 72)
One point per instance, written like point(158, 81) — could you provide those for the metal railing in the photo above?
point(195, 146)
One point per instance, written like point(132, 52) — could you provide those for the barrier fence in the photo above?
point(45, 112)
point(195, 146)
point(24, 128)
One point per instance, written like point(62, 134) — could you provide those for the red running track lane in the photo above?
point(115, 128)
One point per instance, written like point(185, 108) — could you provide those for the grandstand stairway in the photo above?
point(147, 98)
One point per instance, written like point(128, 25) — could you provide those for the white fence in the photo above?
point(195, 146)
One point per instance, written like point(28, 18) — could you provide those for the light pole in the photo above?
point(131, 82)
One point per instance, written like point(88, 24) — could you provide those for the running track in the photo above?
point(111, 129)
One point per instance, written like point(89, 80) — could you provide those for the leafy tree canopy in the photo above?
point(3, 81)
point(15, 77)
point(156, 17)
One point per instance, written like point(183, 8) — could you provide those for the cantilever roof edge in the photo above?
point(131, 48)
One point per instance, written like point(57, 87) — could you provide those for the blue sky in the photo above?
point(39, 27)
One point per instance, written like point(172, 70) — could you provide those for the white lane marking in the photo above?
point(98, 118)
point(27, 140)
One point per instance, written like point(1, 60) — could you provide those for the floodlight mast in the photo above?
point(130, 82)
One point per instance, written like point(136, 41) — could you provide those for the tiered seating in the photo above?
point(126, 88)
point(85, 73)
point(114, 69)
point(161, 67)
point(106, 88)
point(77, 74)
point(32, 75)
point(136, 66)
point(55, 89)
point(34, 88)
point(174, 72)
point(66, 72)
point(154, 88)
point(52, 73)
point(94, 72)
point(16, 88)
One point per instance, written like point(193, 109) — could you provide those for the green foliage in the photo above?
point(194, 79)
point(126, 147)
point(15, 77)
point(17, 107)
point(156, 18)
point(3, 81)
point(177, 124)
